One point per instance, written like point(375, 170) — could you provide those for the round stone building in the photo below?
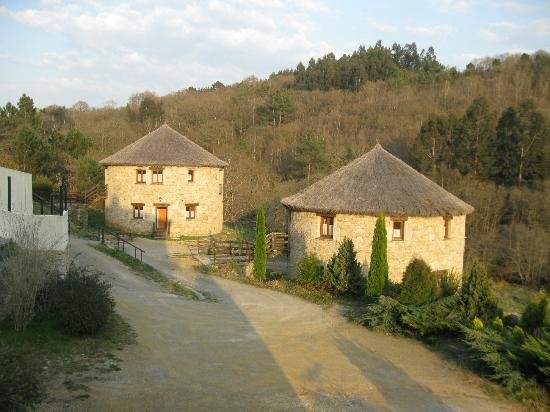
point(422, 219)
point(166, 185)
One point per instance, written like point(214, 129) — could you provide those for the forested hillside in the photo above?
point(482, 134)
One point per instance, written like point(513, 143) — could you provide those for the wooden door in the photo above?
point(162, 218)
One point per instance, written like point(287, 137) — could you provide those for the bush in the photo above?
point(497, 324)
point(392, 289)
point(22, 274)
point(419, 284)
point(260, 249)
point(449, 283)
point(477, 324)
point(343, 272)
point(378, 271)
point(81, 302)
point(511, 320)
point(477, 297)
point(518, 334)
point(535, 316)
point(309, 270)
point(19, 381)
point(42, 186)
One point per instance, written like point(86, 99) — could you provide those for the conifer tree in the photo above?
point(343, 272)
point(378, 271)
point(260, 249)
point(476, 295)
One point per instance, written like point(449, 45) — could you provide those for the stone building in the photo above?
point(422, 219)
point(164, 184)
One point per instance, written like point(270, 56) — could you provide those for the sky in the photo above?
point(60, 52)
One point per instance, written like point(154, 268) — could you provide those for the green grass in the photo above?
point(513, 298)
point(275, 281)
point(148, 272)
point(77, 359)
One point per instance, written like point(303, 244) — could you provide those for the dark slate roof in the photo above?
point(165, 147)
point(378, 182)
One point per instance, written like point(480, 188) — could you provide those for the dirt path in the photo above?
point(255, 349)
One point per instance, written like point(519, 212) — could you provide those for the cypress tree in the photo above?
point(260, 248)
point(378, 271)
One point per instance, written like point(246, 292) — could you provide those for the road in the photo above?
point(256, 349)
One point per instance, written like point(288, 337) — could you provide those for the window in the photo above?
point(398, 231)
point(190, 211)
point(190, 176)
point(140, 175)
point(138, 210)
point(447, 224)
point(327, 226)
point(157, 176)
point(9, 193)
point(221, 189)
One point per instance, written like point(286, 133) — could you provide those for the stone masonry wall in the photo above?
point(175, 192)
point(423, 238)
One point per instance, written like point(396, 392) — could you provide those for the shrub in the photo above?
point(378, 271)
point(419, 284)
point(518, 334)
point(42, 186)
point(309, 270)
point(497, 324)
point(81, 302)
point(260, 249)
point(392, 289)
point(535, 316)
point(449, 283)
point(22, 275)
point(477, 324)
point(511, 320)
point(19, 381)
point(343, 272)
point(476, 296)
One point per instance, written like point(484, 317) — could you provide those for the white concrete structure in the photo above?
point(17, 221)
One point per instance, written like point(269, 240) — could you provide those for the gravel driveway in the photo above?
point(256, 349)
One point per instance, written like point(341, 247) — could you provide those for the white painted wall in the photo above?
point(44, 232)
point(21, 191)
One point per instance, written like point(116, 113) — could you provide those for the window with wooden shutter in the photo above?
point(158, 176)
point(398, 230)
point(141, 175)
point(191, 211)
point(138, 210)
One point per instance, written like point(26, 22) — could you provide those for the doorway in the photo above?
point(162, 218)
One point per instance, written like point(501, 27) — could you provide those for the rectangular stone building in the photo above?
point(423, 220)
point(164, 184)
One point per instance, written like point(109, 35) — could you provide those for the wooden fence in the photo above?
point(240, 250)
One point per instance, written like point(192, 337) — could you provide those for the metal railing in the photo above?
point(120, 241)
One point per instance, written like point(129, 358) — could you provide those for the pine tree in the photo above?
point(343, 272)
point(378, 271)
point(476, 295)
point(260, 248)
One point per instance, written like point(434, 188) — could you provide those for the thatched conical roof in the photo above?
point(378, 182)
point(163, 147)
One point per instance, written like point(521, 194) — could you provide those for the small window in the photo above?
point(327, 226)
point(221, 189)
point(190, 211)
point(190, 176)
point(140, 175)
point(138, 210)
point(398, 230)
point(447, 224)
point(157, 176)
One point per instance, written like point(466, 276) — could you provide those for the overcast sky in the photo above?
point(94, 50)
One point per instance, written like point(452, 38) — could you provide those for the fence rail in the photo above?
point(120, 242)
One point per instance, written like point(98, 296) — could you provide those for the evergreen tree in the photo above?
point(474, 131)
point(476, 296)
point(419, 284)
point(260, 248)
point(378, 271)
point(518, 148)
point(343, 272)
